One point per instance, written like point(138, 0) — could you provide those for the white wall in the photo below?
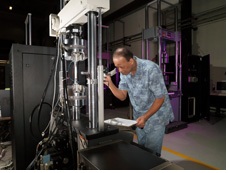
point(115, 5)
point(204, 5)
point(134, 24)
point(210, 38)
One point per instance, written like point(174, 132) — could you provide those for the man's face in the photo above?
point(123, 65)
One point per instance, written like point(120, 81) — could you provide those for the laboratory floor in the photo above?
point(200, 146)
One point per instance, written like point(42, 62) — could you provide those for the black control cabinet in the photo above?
point(196, 88)
point(30, 70)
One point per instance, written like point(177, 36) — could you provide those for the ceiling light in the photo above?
point(10, 8)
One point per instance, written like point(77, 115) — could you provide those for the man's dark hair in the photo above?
point(124, 52)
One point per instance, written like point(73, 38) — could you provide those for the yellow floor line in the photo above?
point(188, 158)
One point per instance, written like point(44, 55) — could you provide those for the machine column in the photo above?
point(92, 63)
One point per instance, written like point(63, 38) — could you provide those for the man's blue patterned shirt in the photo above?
point(143, 88)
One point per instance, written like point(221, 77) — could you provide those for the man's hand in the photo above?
point(107, 80)
point(141, 122)
point(120, 94)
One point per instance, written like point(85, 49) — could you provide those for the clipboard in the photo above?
point(121, 122)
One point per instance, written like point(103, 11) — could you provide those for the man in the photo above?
point(144, 83)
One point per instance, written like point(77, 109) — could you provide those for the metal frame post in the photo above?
point(92, 63)
point(28, 20)
point(100, 77)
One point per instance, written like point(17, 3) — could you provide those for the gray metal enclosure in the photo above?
point(31, 67)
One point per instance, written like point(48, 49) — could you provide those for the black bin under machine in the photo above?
point(120, 155)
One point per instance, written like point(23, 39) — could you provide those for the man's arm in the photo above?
point(152, 110)
point(120, 94)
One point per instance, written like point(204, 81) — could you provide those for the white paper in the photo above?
point(121, 122)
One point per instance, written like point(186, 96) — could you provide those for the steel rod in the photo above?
point(93, 71)
point(30, 28)
point(100, 77)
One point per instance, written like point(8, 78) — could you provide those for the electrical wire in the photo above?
point(31, 165)
point(43, 143)
point(57, 62)
point(31, 119)
point(55, 83)
point(66, 105)
point(45, 91)
point(42, 100)
point(51, 119)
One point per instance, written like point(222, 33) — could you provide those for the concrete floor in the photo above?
point(200, 146)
